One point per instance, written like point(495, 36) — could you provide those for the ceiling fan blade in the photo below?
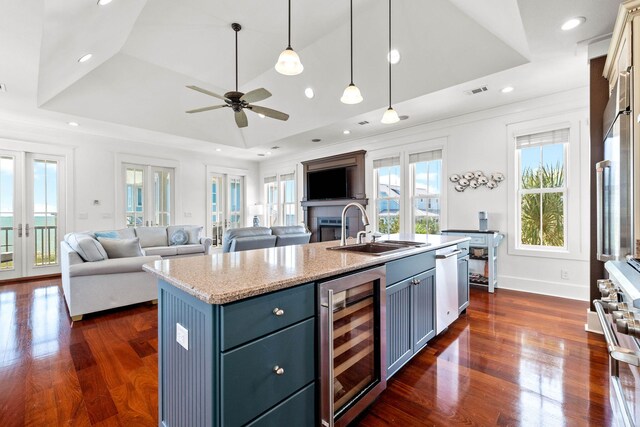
point(200, 110)
point(274, 114)
point(241, 119)
point(207, 92)
point(255, 95)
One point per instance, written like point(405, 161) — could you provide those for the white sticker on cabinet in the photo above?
point(182, 336)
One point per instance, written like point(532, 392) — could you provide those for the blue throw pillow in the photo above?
point(106, 234)
point(179, 237)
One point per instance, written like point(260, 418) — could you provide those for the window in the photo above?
point(148, 195)
point(280, 199)
point(288, 194)
point(426, 185)
point(225, 203)
point(541, 160)
point(271, 200)
point(386, 181)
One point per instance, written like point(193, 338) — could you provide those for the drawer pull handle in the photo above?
point(278, 370)
point(278, 311)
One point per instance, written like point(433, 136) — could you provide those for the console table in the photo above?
point(488, 240)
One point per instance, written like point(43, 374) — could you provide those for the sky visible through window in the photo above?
point(552, 156)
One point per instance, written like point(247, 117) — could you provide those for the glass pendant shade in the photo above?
point(351, 95)
point(390, 116)
point(289, 63)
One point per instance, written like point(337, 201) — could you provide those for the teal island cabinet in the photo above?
point(239, 332)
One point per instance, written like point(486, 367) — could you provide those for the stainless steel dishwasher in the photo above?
point(446, 287)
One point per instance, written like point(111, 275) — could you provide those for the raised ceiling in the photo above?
point(146, 52)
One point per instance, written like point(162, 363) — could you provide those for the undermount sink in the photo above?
point(379, 248)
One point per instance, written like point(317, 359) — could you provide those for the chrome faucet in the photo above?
point(365, 221)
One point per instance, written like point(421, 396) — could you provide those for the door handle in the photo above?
point(600, 168)
point(26, 230)
point(450, 254)
point(19, 228)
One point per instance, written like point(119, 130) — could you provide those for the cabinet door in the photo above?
point(424, 317)
point(399, 317)
point(463, 284)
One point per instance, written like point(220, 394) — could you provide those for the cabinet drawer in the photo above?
point(298, 410)
point(250, 385)
point(410, 266)
point(478, 240)
point(249, 319)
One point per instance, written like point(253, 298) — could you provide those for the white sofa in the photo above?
point(93, 281)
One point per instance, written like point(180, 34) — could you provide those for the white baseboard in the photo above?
point(593, 324)
point(557, 289)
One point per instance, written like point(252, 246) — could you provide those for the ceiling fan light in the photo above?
point(390, 116)
point(289, 63)
point(351, 95)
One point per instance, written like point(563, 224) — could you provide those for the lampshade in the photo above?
point(289, 63)
point(351, 95)
point(390, 116)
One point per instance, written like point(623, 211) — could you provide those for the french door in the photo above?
point(148, 195)
point(225, 204)
point(32, 214)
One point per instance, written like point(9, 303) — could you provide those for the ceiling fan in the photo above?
point(238, 101)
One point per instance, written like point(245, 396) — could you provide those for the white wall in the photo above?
point(93, 164)
point(479, 141)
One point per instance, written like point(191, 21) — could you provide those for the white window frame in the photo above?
point(576, 188)
point(270, 187)
point(225, 174)
point(412, 181)
point(283, 199)
point(391, 161)
point(279, 204)
point(404, 147)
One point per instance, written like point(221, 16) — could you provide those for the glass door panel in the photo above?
point(10, 218)
point(235, 201)
point(43, 220)
point(216, 209)
point(134, 193)
point(162, 196)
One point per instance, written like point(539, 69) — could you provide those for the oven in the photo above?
point(619, 314)
point(352, 341)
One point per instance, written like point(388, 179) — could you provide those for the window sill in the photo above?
point(547, 253)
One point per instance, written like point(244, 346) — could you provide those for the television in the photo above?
point(327, 184)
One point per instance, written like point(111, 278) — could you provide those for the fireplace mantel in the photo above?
point(333, 202)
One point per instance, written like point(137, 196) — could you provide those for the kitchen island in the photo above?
point(238, 332)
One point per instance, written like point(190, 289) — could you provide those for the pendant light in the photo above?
point(390, 116)
point(289, 62)
point(351, 94)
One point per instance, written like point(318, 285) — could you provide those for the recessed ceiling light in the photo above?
point(74, 124)
point(507, 89)
point(268, 153)
point(262, 116)
point(316, 140)
point(572, 23)
point(393, 56)
point(85, 58)
point(3, 87)
point(346, 131)
point(218, 149)
point(103, 2)
point(308, 92)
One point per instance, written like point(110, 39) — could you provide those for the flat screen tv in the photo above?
point(327, 184)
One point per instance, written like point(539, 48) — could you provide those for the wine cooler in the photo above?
point(352, 339)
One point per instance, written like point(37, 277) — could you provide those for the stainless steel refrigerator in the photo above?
point(614, 177)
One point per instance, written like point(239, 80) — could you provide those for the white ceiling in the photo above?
point(146, 51)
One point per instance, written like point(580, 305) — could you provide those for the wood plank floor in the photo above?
point(513, 359)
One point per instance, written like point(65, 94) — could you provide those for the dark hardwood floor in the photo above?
point(513, 359)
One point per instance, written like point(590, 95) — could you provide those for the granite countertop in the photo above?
point(227, 277)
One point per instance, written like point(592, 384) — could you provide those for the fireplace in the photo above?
point(330, 227)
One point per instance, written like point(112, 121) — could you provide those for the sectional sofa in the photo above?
point(103, 270)
point(246, 238)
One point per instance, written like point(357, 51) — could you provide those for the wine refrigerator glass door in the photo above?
point(352, 338)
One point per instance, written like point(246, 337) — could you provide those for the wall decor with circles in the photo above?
point(475, 180)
